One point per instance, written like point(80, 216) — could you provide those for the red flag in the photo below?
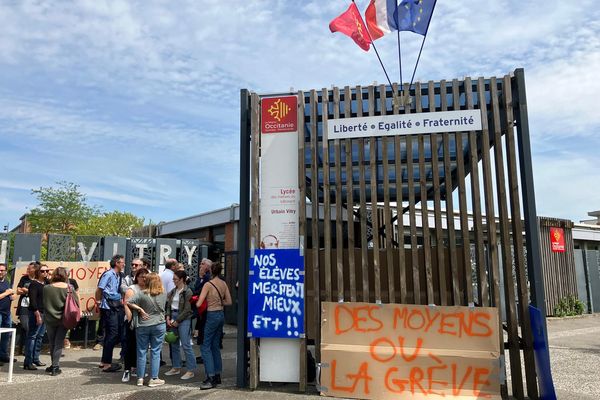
point(350, 23)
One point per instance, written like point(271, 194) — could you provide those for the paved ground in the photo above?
point(575, 356)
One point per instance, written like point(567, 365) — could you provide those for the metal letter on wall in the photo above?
point(113, 245)
point(27, 247)
point(165, 249)
point(88, 248)
point(140, 247)
point(4, 248)
point(189, 255)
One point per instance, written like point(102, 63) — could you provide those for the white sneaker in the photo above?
point(187, 375)
point(173, 371)
point(140, 382)
point(155, 382)
point(126, 376)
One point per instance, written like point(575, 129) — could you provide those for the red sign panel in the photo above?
point(557, 240)
point(279, 114)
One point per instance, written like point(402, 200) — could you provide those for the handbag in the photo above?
point(200, 310)
point(72, 312)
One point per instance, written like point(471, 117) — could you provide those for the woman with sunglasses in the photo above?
point(37, 328)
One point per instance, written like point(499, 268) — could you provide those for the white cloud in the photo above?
point(137, 100)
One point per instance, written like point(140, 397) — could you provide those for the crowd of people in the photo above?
point(139, 311)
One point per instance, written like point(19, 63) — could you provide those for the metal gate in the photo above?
point(382, 225)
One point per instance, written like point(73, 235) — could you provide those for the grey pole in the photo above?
point(243, 239)
point(534, 266)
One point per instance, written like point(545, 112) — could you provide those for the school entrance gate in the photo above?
point(445, 218)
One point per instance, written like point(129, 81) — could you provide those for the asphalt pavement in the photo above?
point(574, 352)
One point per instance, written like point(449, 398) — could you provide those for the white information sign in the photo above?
point(404, 124)
point(279, 229)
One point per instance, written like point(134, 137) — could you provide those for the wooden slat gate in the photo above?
point(402, 219)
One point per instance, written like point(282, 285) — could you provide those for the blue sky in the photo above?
point(138, 101)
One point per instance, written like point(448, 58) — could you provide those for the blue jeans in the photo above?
point(5, 322)
point(211, 352)
point(184, 331)
point(113, 328)
point(152, 336)
point(35, 334)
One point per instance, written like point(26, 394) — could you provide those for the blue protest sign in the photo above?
point(276, 294)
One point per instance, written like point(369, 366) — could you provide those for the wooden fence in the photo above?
point(436, 257)
point(560, 277)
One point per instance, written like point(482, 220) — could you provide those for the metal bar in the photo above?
point(363, 204)
point(350, 197)
point(518, 245)
point(326, 195)
point(374, 207)
point(467, 285)
point(483, 292)
point(254, 219)
point(314, 176)
point(387, 220)
point(509, 284)
point(437, 206)
point(302, 228)
point(399, 210)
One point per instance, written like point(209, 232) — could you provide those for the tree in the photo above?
point(61, 209)
point(113, 223)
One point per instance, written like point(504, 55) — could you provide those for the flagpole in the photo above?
point(422, 44)
point(376, 52)
point(417, 63)
point(380, 62)
point(397, 15)
point(399, 58)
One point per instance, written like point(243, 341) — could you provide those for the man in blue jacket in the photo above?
point(112, 310)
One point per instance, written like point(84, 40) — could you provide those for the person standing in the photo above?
point(204, 276)
point(23, 304)
point(111, 308)
point(6, 298)
point(132, 320)
point(55, 297)
point(179, 318)
point(136, 264)
point(166, 277)
point(149, 303)
point(37, 328)
point(217, 297)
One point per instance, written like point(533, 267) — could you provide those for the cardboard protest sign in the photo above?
point(86, 274)
point(375, 351)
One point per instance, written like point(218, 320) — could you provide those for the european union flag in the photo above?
point(414, 15)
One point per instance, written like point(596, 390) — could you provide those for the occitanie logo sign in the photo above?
point(279, 114)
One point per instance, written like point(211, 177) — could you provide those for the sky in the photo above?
point(138, 101)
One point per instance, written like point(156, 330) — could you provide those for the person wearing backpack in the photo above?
point(55, 299)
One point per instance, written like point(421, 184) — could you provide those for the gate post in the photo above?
point(243, 246)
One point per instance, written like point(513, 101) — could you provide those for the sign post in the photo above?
point(279, 229)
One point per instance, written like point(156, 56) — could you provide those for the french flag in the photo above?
point(380, 17)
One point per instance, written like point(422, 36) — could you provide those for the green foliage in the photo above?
point(569, 306)
point(61, 209)
point(113, 223)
